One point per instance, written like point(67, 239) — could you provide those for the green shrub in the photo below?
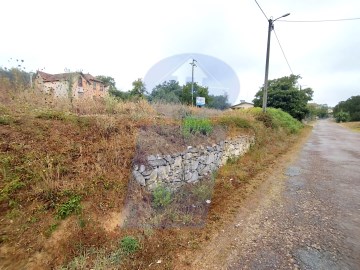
point(285, 120)
point(342, 117)
point(110, 104)
point(275, 118)
point(52, 115)
point(5, 120)
point(193, 125)
point(161, 197)
point(71, 206)
point(51, 229)
point(9, 188)
point(203, 192)
point(129, 245)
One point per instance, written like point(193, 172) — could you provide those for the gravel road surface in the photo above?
point(306, 217)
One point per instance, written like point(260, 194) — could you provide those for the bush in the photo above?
point(275, 118)
point(161, 197)
point(5, 120)
point(129, 245)
point(192, 125)
point(342, 117)
point(53, 115)
point(71, 206)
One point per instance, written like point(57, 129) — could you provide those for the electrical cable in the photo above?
point(283, 52)
point(262, 10)
point(316, 21)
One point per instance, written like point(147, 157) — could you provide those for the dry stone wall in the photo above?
point(173, 171)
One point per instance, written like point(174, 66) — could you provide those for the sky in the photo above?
point(124, 39)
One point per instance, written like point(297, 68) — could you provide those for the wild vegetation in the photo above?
point(286, 94)
point(65, 170)
point(348, 110)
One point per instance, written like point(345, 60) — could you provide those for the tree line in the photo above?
point(168, 92)
point(348, 110)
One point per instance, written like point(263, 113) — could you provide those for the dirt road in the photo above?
point(306, 216)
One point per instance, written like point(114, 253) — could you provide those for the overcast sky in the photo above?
point(124, 39)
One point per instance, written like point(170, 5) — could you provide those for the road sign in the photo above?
point(200, 101)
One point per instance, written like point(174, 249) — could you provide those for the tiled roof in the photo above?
point(63, 76)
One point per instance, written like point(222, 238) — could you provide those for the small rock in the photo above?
point(159, 261)
point(208, 201)
point(142, 168)
point(139, 178)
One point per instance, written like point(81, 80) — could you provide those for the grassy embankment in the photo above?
point(64, 171)
point(352, 125)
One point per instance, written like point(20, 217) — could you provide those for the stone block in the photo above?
point(194, 178)
point(170, 160)
point(193, 150)
point(142, 168)
point(157, 162)
point(147, 172)
point(194, 165)
point(162, 173)
point(153, 176)
point(139, 178)
point(210, 159)
point(187, 156)
point(188, 176)
point(177, 161)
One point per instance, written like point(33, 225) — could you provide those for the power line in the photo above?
point(283, 52)
point(316, 21)
point(262, 10)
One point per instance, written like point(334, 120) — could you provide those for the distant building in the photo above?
point(82, 85)
point(242, 105)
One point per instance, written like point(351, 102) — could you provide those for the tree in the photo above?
point(351, 106)
point(119, 94)
point(138, 90)
point(14, 78)
point(168, 91)
point(199, 91)
point(318, 110)
point(108, 81)
point(220, 102)
point(284, 93)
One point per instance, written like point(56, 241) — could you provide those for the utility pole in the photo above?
point(192, 81)
point(271, 27)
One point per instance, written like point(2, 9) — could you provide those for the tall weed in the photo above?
point(193, 125)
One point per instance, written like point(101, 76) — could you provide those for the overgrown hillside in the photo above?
point(65, 169)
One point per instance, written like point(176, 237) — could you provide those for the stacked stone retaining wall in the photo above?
point(174, 170)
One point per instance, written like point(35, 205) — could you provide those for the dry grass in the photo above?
point(52, 150)
point(352, 125)
point(180, 111)
point(48, 155)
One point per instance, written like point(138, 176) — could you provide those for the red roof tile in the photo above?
point(63, 76)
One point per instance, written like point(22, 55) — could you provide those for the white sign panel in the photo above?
point(200, 101)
